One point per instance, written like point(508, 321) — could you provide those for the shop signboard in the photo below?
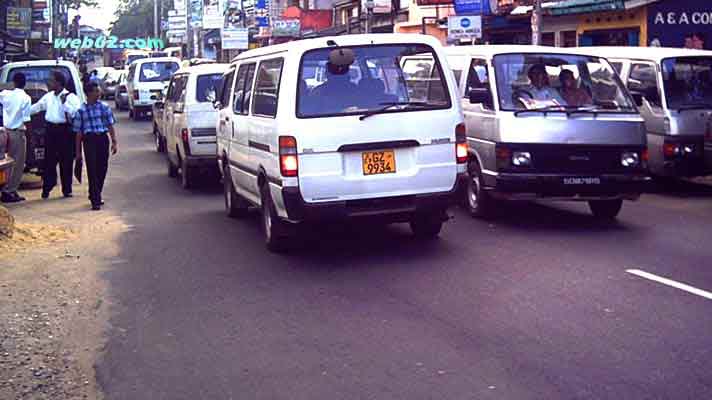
point(382, 6)
point(672, 21)
point(180, 5)
point(213, 14)
point(235, 38)
point(285, 27)
point(464, 27)
point(19, 22)
point(261, 14)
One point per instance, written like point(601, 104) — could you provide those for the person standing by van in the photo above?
point(94, 123)
point(16, 119)
point(60, 106)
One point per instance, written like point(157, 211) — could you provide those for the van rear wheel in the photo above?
point(187, 175)
point(427, 226)
point(478, 202)
point(235, 205)
point(275, 238)
point(605, 209)
point(172, 169)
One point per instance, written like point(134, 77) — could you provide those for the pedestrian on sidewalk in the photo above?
point(16, 121)
point(94, 124)
point(60, 106)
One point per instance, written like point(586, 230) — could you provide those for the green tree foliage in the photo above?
point(134, 18)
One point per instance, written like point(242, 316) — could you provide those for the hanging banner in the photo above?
point(19, 22)
point(195, 13)
point(235, 38)
point(213, 14)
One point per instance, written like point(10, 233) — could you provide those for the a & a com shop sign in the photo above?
point(670, 21)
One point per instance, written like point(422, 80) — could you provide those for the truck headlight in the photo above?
point(630, 159)
point(521, 159)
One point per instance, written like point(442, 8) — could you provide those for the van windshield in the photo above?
point(559, 81)
point(159, 71)
point(377, 76)
point(688, 82)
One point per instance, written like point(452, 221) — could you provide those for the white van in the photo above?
point(146, 79)
point(187, 129)
point(368, 144)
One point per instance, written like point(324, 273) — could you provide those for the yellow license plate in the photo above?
point(379, 162)
point(4, 177)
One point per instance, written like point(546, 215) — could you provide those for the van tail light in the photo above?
point(185, 137)
point(135, 94)
point(288, 161)
point(671, 149)
point(461, 150)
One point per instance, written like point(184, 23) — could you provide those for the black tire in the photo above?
point(605, 209)
point(272, 228)
point(427, 226)
point(187, 175)
point(477, 201)
point(236, 206)
point(172, 169)
point(160, 144)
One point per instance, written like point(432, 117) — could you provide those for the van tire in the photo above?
point(172, 169)
point(160, 146)
point(272, 228)
point(235, 205)
point(427, 226)
point(477, 201)
point(187, 175)
point(605, 209)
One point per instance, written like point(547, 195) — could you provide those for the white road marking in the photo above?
point(670, 282)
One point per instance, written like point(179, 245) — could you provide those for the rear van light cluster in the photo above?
point(185, 137)
point(288, 160)
point(461, 150)
point(135, 94)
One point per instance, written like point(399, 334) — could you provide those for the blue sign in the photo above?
point(468, 7)
point(680, 23)
point(465, 23)
point(262, 22)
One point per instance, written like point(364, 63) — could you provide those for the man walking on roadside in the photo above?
point(94, 124)
point(60, 106)
point(16, 118)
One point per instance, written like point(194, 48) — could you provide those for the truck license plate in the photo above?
point(582, 181)
point(39, 154)
point(379, 162)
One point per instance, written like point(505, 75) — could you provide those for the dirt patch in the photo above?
point(53, 306)
point(28, 236)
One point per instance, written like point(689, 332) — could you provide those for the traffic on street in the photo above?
point(370, 216)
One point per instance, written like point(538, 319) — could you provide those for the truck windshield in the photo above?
point(688, 82)
point(559, 81)
point(39, 75)
point(158, 71)
point(378, 75)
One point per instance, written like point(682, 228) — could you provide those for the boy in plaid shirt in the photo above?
point(94, 124)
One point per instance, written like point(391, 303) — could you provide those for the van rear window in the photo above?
point(363, 79)
point(157, 71)
point(206, 87)
point(40, 75)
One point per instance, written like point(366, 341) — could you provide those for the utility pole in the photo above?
point(369, 15)
point(156, 32)
point(536, 23)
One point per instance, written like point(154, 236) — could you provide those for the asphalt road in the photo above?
point(534, 305)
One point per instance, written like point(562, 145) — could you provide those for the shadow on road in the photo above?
point(681, 188)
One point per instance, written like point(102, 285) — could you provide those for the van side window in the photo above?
point(643, 80)
point(618, 66)
point(171, 89)
point(225, 90)
point(239, 95)
point(132, 70)
point(477, 77)
point(269, 75)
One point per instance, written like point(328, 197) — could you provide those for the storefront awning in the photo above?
point(568, 7)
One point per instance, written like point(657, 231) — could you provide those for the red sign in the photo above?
point(434, 2)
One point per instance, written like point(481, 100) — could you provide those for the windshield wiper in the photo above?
point(695, 106)
point(568, 110)
point(387, 106)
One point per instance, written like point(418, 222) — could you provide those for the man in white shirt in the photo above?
point(16, 117)
point(542, 94)
point(59, 105)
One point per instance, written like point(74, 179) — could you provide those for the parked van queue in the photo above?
point(397, 128)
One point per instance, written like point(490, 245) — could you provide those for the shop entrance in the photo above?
point(610, 37)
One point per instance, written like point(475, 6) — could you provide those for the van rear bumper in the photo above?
point(202, 161)
point(575, 187)
point(388, 209)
